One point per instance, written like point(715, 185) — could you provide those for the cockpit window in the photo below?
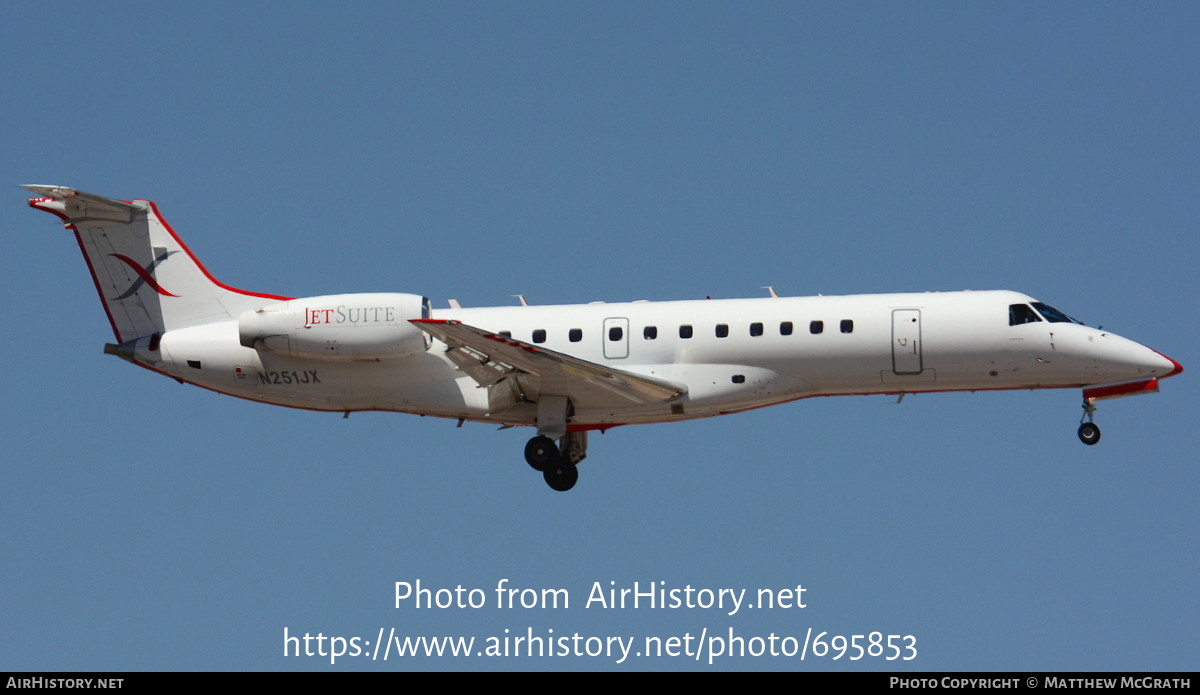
point(1021, 313)
point(1053, 315)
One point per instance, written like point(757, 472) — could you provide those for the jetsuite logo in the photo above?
point(144, 275)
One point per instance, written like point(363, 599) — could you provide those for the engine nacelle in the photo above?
point(371, 326)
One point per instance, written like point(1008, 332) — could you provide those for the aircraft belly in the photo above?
point(457, 396)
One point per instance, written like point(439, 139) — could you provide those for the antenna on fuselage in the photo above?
point(771, 289)
point(522, 298)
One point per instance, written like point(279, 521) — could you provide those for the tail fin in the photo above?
point(148, 280)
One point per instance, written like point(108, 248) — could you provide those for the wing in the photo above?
point(489, 358)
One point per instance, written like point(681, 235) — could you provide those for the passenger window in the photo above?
point(575, 335)
point(615, 333)
point(816, 327)
point(685, 331)
point(506, 334)
point(785, 328)
point(1021, 313)
point(539, 336)
point(722, 330)
point(756, 329)
point(847, 326)
point(650, 332)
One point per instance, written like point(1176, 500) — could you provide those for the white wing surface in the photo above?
point(489, 358)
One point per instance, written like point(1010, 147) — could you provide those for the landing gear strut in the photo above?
point(1089, 432)
point(558, 467)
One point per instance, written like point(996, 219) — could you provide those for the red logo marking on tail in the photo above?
point(143, 273)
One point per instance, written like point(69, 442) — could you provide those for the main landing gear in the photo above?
point(558, 467)
point(1089, 432)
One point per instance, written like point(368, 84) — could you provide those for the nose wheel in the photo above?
point(1089, 432)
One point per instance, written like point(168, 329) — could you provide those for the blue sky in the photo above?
point(616, 151)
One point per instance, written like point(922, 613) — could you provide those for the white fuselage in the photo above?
point(730, 354)
point(572, 368)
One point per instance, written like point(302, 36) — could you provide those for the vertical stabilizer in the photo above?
point(148, 280)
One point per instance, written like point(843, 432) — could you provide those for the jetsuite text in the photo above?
point(353, 315)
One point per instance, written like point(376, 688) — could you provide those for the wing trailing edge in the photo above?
point(490, 358)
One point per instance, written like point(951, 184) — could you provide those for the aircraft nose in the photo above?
point(1126, 359)
point(1151, 361)
point(1175, 367)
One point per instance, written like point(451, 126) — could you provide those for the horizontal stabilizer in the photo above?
point(79, 206)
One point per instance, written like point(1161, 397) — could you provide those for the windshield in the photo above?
point(1021, 313)
point(1054, 315)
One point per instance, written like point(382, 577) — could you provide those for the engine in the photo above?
point(338, 327)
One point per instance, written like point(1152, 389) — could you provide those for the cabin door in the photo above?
point(906, 341)
point(616, 338)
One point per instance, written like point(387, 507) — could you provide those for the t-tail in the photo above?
point(148, 280)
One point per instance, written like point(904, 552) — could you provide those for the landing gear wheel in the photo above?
point(1089, 433)
point(561, 475)
point(539, 452)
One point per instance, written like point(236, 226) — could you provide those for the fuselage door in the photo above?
point(906, 341)
point(616, 338)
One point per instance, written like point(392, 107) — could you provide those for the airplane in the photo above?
point(570, 369)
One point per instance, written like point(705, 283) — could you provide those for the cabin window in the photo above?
point(575, 335)
point(505, 334)
point(685, 331)
point(722, 330)
point(1021, 313)
point(756, 329)
point(816, 327)
point(539, 335)
point(616, 333)
point(650, 332)
point(847, 325)
point(785, 328)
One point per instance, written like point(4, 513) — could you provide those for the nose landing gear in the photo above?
point(1089, 432)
